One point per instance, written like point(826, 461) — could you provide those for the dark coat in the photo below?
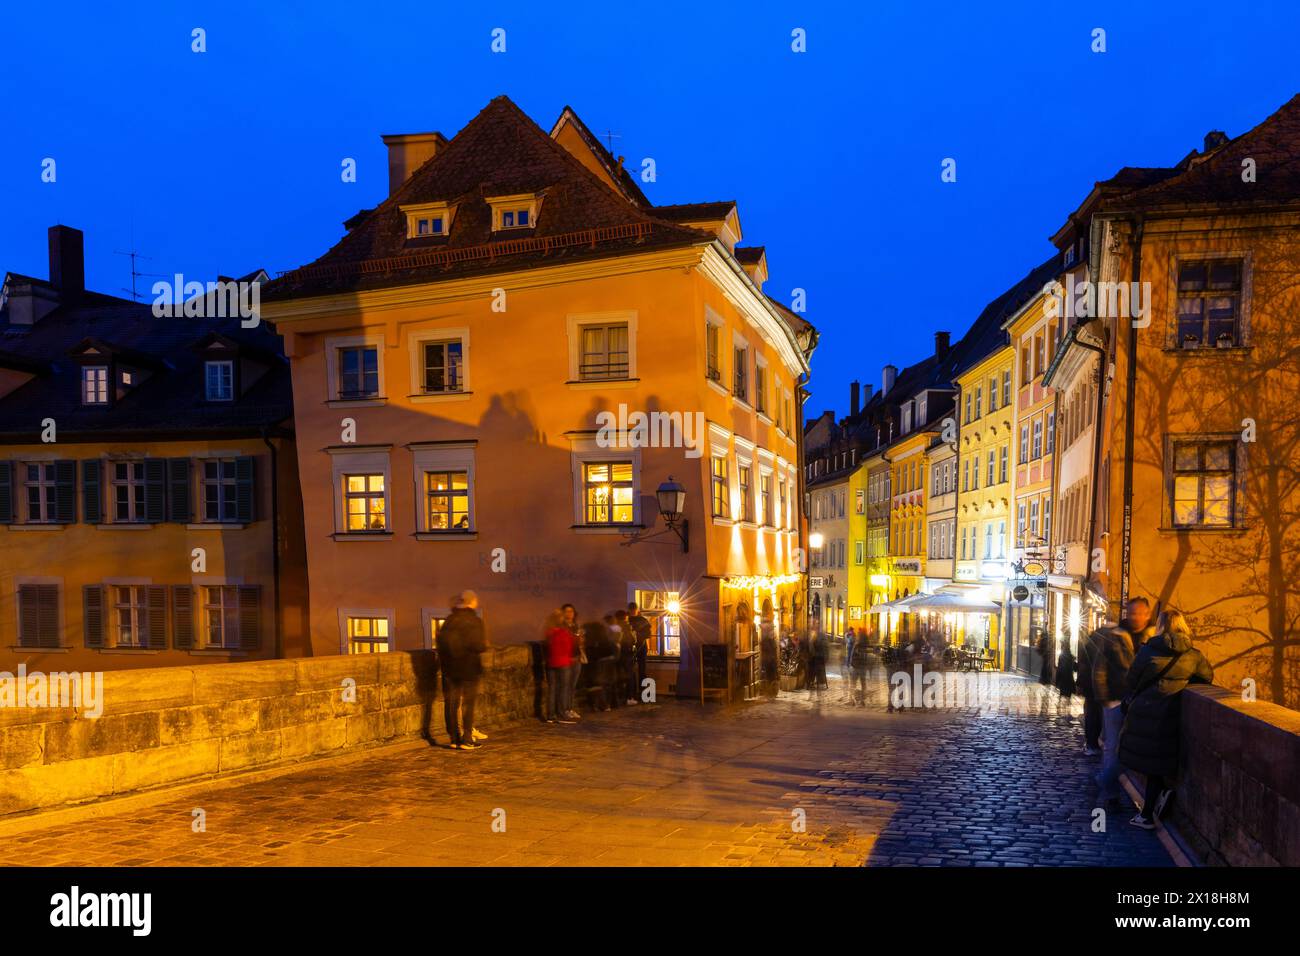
point(1149, 740)
point(460, 642)
point(1065, 673)
point(1110, 667)
point(1089, 650)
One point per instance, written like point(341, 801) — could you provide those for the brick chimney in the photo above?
point(941, 344)
point(855, 391)
point(407, 152)
point(67, 262)
point(1214, 139)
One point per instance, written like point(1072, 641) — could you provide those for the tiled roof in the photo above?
point(1215, 178)
point(170, 400)
point(748, 255)
point(695, 211)
point(499, 152)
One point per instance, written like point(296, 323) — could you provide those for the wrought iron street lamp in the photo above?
point(672, 503)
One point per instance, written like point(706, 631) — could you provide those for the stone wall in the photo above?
point(1239, 788)
point(171, 725)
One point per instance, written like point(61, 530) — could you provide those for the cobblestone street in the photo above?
point(668, 784)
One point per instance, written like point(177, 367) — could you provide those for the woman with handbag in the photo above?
point(1148, 744)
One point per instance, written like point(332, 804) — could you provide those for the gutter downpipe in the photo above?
point(1130, 406)
point(275, 536)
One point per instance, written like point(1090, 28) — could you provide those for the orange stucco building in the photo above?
point(469, 364)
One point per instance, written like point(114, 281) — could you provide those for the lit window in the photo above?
point(94, 385)
point(604, 352)
point(721, 487)
point(1202, 484)
point(447, 497)
point(765, 499)
point(368, 635)
point(607, 492)
point(221, 616)
point(364, 503)
point(746, 493)
point(662, 610)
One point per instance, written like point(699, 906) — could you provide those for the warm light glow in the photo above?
point(768, 583)
point(879, 580)
point(673, 606)
point(815, 540)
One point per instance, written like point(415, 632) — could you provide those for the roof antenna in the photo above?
point(136, 274)
point(610, 136)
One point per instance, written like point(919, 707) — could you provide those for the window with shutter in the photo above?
point(179, 508)
point(155, 490)
point(182, 617)
point(38, 615)
point(6, 492)
point(250, 617)
point(156, 601)
point(92, 599)
point(65, 491)
point(244, 490)
point(91, 496)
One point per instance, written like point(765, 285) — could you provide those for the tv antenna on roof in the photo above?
point(610, 136)
point(136, 274)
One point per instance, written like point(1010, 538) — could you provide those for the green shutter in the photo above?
point(93, 616)
point(156, 602)
point(38, 615)
point(6, 492)
point(65, 492)
point(92, 498)
point(250, 607)
point(179, 507)
point(155, 490)
point(244, 489)
point(182, 616)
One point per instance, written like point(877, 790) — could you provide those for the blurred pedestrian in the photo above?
point(461, 643)
point(1148, 744)
point(560, 644)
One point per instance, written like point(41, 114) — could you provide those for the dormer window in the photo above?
point(514, 212)
point(94, 385)
point(428, 220)
point(219, 380)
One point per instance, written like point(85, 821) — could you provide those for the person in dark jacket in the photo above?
point(641, 629)
point(1065, 673)
point(1088, 650)
point(461, 642)
point(1118, 645)
point(1047, 652)
point(1163, 667)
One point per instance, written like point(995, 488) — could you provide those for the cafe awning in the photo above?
point(945, 600)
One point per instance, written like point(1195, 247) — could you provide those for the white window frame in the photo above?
point(364, 460)
point(529, 202)
point(415, 212)
point(458, 456)
point(574, 324)
point(208, 366)
point(98, 383)
point(585, 450)
point(334, 384)
point(415, 343)
point(347, 612)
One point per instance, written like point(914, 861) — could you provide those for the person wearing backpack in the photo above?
point(859, 667)
point(1148, 744)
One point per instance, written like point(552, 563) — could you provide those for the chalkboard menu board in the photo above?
point(714, 673)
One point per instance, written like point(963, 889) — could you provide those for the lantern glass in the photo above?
point(672, 499)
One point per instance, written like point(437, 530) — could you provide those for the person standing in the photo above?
point(559, 655)
point(641, 629)
point(1065, 682)
point(1148, 744)
point(577, 660)
point(859, 668)
point(1117, 648)
point(1088, 651)
point(461, 643)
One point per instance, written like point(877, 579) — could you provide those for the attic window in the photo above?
point(426, 220)
point(220, 381)
point(514, 212)
point(94, 385)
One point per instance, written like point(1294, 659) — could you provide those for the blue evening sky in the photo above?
point(229, 160)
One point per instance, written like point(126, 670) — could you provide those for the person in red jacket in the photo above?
point(560, 645)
